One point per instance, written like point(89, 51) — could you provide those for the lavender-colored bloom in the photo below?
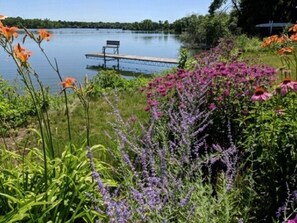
point(294, 195)
point(240, 221)
point(118, 211)
point(100, 185)
point(185, 201)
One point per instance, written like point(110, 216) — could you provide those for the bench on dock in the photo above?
point(114, 44)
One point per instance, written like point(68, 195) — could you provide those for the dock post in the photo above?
point(104, 57)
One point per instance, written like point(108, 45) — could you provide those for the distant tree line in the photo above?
point(146, 25)
point(196, 30)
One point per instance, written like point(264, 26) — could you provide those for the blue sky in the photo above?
point(104, 10)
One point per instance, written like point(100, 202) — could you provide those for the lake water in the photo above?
point(69, 47)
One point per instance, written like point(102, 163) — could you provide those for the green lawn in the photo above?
point(101, 117)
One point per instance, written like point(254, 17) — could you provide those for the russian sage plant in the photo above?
point(161, 177)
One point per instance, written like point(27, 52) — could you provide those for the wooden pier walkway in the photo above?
point(132, 57)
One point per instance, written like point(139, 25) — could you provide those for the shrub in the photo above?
point(108, 80)
point(247, 44)
point(15, 109)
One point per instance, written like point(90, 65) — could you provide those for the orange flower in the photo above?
point(294, 37)
point(270, 40)
point(286, 50)
point(282, 39)
point(9, 32)
point(293, 28)
point(21, 53)
point(44, 35)
point(69, 82)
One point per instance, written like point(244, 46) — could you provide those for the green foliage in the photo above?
point(15, 109)
point(23, 197)
point(183, 57)
point(187, 158)
point(146, 24)
point(108, 80)
point(246, 44)
point(205, 31)
point(270, 140)
point(276, 10)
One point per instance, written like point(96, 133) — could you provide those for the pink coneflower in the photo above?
point(260, 95)
point(286, 85)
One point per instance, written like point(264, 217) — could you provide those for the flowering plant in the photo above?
point(36, 185)
point(286, 47)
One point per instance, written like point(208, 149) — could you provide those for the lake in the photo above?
point(69, 47)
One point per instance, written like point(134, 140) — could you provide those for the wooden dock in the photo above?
point(132, 57)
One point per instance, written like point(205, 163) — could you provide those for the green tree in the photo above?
point(205, 31)
point(249, 13)
point(166, 25)
point(254, 12)
point(180, 25)
point(217, 4)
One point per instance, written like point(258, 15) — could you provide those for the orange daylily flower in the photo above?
point(9, 32)
point(282, 39)
point(69, 82)
point(44, 35)
point(21, 53)
point(293, 28)
point(286, 50)
point(270, 40)
point(294, 37)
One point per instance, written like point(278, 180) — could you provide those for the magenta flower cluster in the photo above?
point(236, 80)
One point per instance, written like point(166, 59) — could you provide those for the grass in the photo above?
point(129, 103)
point(268, 58)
